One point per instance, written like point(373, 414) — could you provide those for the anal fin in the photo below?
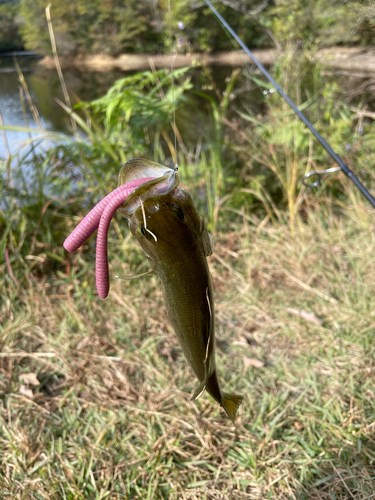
point(199, 390)
point(202, 386)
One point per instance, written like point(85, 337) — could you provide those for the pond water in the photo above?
point(44, 87)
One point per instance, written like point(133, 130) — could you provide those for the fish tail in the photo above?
point(230, 403)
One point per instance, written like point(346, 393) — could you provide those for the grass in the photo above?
point(107, 413)
point(95, 395)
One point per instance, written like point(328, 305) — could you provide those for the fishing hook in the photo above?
point(323, 142)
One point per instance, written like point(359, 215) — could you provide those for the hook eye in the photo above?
point(313, 184)
point(318, 174)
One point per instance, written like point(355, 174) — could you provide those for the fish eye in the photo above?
point(179, 212)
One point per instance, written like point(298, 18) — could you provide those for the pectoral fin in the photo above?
point(128, 278)
point(199, 390)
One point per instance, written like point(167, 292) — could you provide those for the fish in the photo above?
point(176, 242)
point(168, 227)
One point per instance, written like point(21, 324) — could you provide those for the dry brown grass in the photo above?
point(111, 416)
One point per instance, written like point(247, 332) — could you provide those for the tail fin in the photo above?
point(230, 403)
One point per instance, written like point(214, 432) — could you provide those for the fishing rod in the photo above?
point(323, 142)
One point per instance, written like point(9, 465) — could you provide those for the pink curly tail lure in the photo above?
point(100, 218)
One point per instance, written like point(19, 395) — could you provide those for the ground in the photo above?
point(95, 395)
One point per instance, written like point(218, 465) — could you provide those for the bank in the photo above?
point(356, 60)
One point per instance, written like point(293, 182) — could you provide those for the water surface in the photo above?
point(44, 87)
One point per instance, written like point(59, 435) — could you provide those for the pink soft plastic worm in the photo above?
point(90, 223)
point(100, 218)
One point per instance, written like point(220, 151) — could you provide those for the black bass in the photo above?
point(173, 235)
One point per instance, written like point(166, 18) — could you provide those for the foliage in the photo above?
point(111, 130)
point(277, 149)
point(10, 38)
point(211, 36)
point(216, 163)
point(139, 107)
point(131, 120)
point(322, 22)
point(136, 26)
point(115, 27)
point(175, 14)
point(202, 31)
point(82, 27)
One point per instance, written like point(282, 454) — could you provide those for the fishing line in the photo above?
point(145, 221)
point(323, 142)
point(173, 55)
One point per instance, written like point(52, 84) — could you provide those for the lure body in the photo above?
point(176, 242)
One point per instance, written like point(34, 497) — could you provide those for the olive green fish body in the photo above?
point(188, 298)
point(176, 242)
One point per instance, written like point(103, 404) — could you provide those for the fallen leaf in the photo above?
point(29, 379)
point(308, 316)
point(256, 363)
point(26, 392)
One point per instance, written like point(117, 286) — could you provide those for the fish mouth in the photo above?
point(166, 179)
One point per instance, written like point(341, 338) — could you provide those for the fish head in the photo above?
point(162, 215)
point(165, 179)
point(165, 223)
